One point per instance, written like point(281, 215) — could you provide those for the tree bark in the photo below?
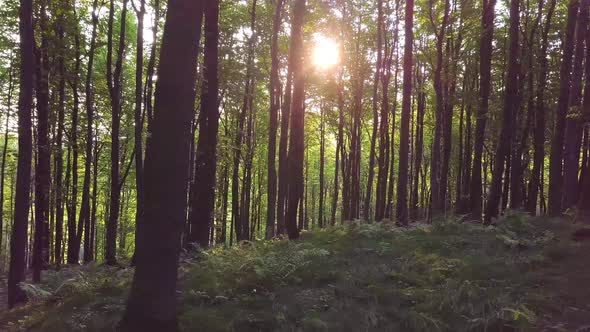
point(152, 301)
point(403, 175)
point(556, 158)
point(509, 114)
point(539, 129)
point(275, 104)
point(296, 142)
point(42, 169)
point(18, 243)
point(574, 129)
point(206, 157)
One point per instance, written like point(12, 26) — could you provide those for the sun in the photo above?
point(325, 53)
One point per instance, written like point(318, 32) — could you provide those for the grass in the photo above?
point(519, 275)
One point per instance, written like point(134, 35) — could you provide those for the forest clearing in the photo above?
point(294, 165)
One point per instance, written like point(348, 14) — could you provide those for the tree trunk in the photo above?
point(574, 124)
point(378, 74)
point(206, 156)
point(4, 154)
point(18, 243)
point(556, 159)
point(509, 114)
point(296, 142)
point(73, 243)
point(485, 77)
point(152, 301)
point(114, 82)
point(85, 206)
point(275, 104)
point(42, 169)
point(418, 151)
point(439, 88)
point(539, 129)
point(403, 175)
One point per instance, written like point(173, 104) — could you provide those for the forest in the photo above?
point(294, 165)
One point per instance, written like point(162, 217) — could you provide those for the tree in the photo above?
point(18, 240)
point(556, 158)
point(439, 87)
point(403, 173)
point(296, 142)
point(114, 83)
point(275, 105)
point(42, 169)
point(573, 130)
point(509, 113)
point(539, 129)
point(485, 77)
point(152, 301)
point(85, 205)
point(206, 155)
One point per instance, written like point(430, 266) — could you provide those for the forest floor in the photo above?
point(523, 274)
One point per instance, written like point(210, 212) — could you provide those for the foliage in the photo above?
point(444, 277)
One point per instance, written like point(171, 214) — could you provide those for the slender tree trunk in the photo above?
point(73, 230)
point(378, 74)
point(296, 142)
point(203, 203)
point(114, 82)
point(574, 129)
point(539, 131)
point(85, 206)
point(485, 76)
point(557, 144)
point(419, 144)
point(403, 175)
point(42, 169)
point(18, 243)
point(439, 88)
point(4, 154)
point(509, 114)
point(275, 104)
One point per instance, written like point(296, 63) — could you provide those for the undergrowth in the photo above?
point(360, 277)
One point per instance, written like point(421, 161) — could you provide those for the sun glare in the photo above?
point(325, 52)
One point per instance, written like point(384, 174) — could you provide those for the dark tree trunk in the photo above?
point(339, 150)
point(378, 74)
point(485, 78)
point(275, 104)
point(283, 155)
point(539, 129)
point(439, 88)
point(18, 240)
point(203, 203)
point(419, 144)
point(4, 154)
point(509, 114)
point(152, 301)
point(114, 83)
point(296, 142)
point(42, 169)
point(556, 158)
point(403, 175)
point(85, 206)
point(574, 123)
point(73, 231)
